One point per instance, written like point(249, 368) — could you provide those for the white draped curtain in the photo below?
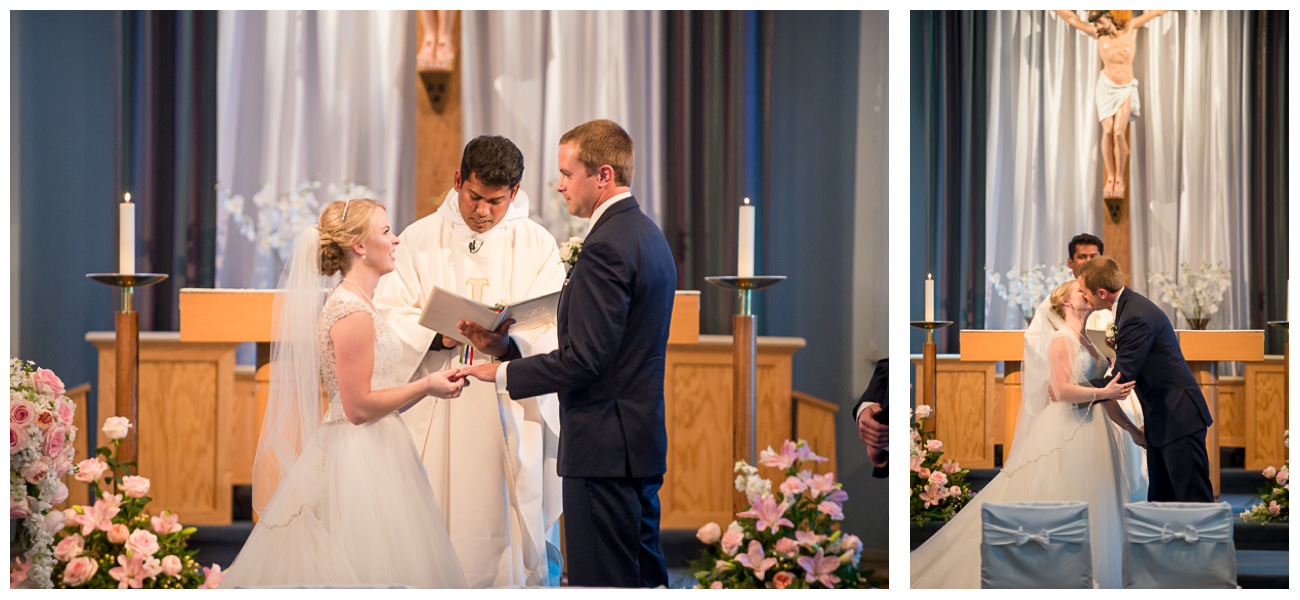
point(312, 106)
point(532, 75)
point(1188, 189)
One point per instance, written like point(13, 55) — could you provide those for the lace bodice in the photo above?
point(1085, 367)
point(340, 303)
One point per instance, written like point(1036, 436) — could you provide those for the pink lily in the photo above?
point(916, 463)
point(165, 523)
point(804, 453)
point(820, 568)
point(212, 577)
point(132, 572)
point(838, 495)
point(755, 561)
point(833, 509)
point(808, 538)
point(821, 484)
point(793, 486)
point(782, 460)
point(768, 512)
point(933, 494)
point(100, 516)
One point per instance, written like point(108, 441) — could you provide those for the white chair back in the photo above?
point(1179, 545)
point(1035, 545)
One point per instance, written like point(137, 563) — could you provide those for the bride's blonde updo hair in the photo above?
point(338, 234)
point(1059, 295)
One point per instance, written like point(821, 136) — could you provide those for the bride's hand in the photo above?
point(445, 384)
point(1115, 390)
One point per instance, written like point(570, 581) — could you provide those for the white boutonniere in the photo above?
point(1112, 332)
point(569, 253)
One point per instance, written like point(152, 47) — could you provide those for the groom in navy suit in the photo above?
point(1147, 351)
point(613, 317)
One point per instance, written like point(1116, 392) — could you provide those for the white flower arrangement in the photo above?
point(280, 220)
point(1025, 290)
point(1201, 292)
point(40, 454)
point(569, 253)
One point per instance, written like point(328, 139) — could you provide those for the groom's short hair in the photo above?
point(603, 142)
point(1084, 239)
point(495, 159)
point(1102, 273)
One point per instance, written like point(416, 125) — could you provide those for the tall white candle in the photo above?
point(929, 298)
point(745, 251)
point(126, 237)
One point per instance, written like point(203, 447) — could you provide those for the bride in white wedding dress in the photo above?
point(1067, 447)
point(350, 504)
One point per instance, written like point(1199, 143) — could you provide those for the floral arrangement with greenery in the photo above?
point(790, 537)
point(938, 487)
point(1273, 503)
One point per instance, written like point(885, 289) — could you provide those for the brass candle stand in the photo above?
point(929, 358)
point(127, 352)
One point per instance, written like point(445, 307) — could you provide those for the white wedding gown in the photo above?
point(356, 508)
point(1071, 453)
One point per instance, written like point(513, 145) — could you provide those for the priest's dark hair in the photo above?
point(1085, 239)
point(494, 159)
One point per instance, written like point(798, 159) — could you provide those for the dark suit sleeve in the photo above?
point(599, 295)
point(878, 390)
point(1131, 354)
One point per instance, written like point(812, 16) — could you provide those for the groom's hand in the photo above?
point(494, 343)
point(485, 372)
point(1110, 341)
point(1139, 436)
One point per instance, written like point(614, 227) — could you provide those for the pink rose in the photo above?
point(91, 469)
point(710, 533)
point(19, 510)
point(212, 577)
point(46, 382)
point(1270, 472)
point(55, 440)
point(142, 542)
point(118, 533)
point(17, 438)
point(717, 585)
point(64, 410)
point(168, 523)
point(1282, 476)
point(933, 445)
point(45, 419)
point(79, 571)
point(171, 565)
point(731, 541)
point(853, 543)
point(1273, 508)
point(787, 546)
point(69, 547)
point(53, 521)
point(22, 413)
point(135, 486)
point(954, 491)
point(781, 580)
point(924, 473)
point(938, 478)
point(115, 428)
point(923, 411)
point(35, 471)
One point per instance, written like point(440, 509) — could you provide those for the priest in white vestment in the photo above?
point(490, 460)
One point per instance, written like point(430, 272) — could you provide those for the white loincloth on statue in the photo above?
point(490, 460)
point(1110, 97)
point(1133, 456)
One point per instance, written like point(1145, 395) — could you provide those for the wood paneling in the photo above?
point(964, 418)
point(1232, 412)
point(247, 424)
point(1266, 414)
point(1212, 345)
point(815, 422)
point(698, 487)
point(185, 402)
point(226, 315)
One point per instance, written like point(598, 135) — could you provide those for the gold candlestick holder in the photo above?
point(929, 359)
point(127, 353)
point(744, 356)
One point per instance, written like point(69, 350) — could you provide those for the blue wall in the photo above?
point(63, 74)
point(809, 236)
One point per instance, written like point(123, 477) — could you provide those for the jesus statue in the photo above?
point(1117, 96)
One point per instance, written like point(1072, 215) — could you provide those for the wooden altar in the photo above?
point(977, 408)
point(208, 411)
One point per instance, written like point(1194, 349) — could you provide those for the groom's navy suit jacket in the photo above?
point(613, 318)
point(1147, 351)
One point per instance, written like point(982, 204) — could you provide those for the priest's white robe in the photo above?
point(490, 460)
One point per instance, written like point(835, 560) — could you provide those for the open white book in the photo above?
point(1098, 338)
point(444, 309)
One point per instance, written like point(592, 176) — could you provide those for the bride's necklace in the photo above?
point(363, 292)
